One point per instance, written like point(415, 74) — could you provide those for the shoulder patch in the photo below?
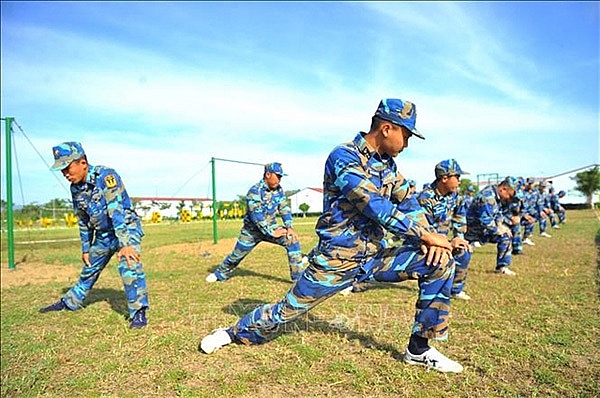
point(110, 181)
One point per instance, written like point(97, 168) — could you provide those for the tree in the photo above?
point(464, 184)
point(304, 209)
point(588, 182)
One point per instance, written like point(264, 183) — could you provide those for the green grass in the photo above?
point(535, 335)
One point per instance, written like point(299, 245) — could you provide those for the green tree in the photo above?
point(588, 182)
point(304, 209)
point(464, 184)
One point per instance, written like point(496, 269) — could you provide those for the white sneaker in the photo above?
point(212, 277)
point(461, 296)
point(528, 242)
point(506, 271)
point(346, 291)
point(433, 359)
point(555, 227)
point(476, 244)
point(217, 339)
point(545, 235)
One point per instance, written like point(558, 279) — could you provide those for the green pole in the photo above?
point(214, 195)
point(9, 198)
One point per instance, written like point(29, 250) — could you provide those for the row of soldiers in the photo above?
point(504, 213)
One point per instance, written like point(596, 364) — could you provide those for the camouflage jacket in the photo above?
point(363, 196)
point(445, 213)
point(487, 213)
point(102, 206)
point(263, 207)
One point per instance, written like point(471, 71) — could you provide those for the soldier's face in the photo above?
point(450, 183)
point(506, 193)
point(76, 172)
point(396, 139)
point(272, 180)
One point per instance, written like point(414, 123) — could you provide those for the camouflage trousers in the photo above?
point(105, 245)
point(248, 240)
point(517, 233)
point(461, 262)
point(325, 277)
point(504, 248)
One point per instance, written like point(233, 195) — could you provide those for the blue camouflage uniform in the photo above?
point(516, 209)
point(364, 195)
point(530, 196)
point(558, 208)
point(485, 217)
point(260, 221)
point(467, 198)
point(447, 214)
point(107, 222)
point(541, 205)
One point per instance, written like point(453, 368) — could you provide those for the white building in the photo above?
point(313, 197)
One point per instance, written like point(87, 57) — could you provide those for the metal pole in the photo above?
point(214, 191)
point(9, 198)
point(214, 195)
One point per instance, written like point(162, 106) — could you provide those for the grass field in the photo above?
point(535, 335)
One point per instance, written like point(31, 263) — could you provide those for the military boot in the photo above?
point(139, 319)
point(58, 306)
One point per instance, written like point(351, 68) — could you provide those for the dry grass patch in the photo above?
point(533, 335)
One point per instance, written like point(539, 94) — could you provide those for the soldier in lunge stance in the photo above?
point(363, 197)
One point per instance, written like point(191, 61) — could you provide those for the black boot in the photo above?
point(139, 319)
point(58, 306)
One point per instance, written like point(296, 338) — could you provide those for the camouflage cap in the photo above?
point(401, 113)
point(66, 153)
point(511, 182)
point(448, 167)
point(275, 168)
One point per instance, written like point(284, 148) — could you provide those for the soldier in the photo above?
point(467, 198)
point(559, 209)
point(447, 214)
point(365, 196)
point(553, 203)
point(487, 221)
point(265, 201)
point(530, 215)
point(108, 224)
point(542, 208)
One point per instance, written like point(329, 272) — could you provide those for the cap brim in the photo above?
point(58, 165)
point(417, 133)
point(63, 163)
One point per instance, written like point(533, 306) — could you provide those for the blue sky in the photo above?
point(156, 89)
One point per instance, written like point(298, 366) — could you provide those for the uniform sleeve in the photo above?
point(427, 203)
point(86, 235)
point(350, 178)
point(113, 190)
point(257, 211)
point(285, 211)
point(459, 219)
point(487, 217)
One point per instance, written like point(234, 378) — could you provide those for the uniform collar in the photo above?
point(367, 150)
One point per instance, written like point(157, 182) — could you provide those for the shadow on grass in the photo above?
point(312, 323)
point(115, 298)
point(246, 272)
point(365, 286)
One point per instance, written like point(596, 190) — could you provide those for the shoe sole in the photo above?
point(413, 362)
